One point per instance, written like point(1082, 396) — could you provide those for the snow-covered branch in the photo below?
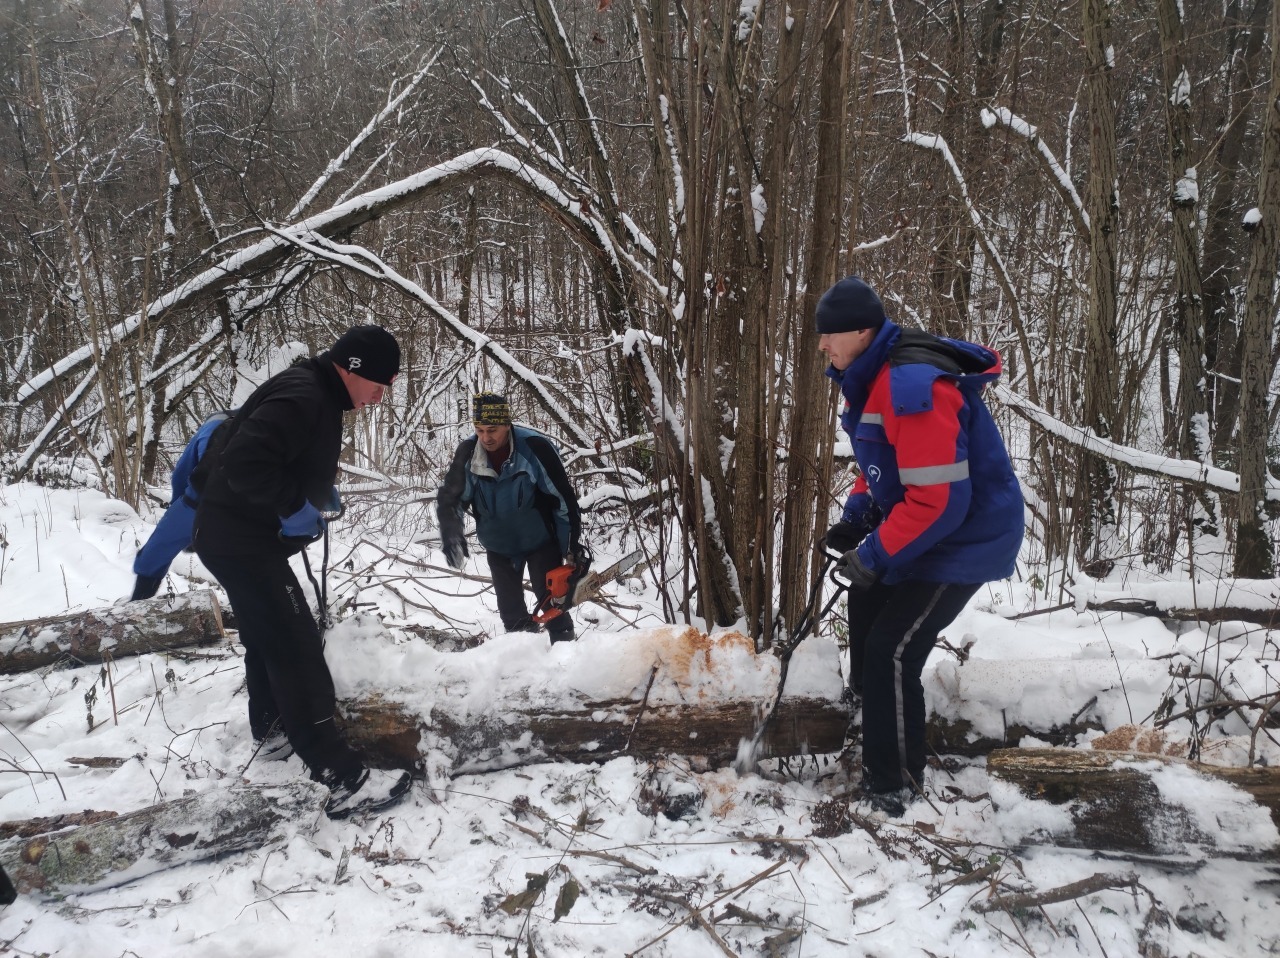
point(1057, 174)
point(341, 218)
point(367, 262)
point(1153, 464)
point(336, 164)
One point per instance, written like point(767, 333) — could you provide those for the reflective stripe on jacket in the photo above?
point(931, 459)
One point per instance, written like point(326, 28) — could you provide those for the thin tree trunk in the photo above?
point(808, 477)
point(1096, 535)
point(1187, 310)
point(1222, 252)
point(1253, 557)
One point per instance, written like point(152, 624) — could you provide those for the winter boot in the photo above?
point(889, 804)
point(563, 635)
point(274, 747)
point(367, 791)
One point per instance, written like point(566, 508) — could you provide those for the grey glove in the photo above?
point(851, 567)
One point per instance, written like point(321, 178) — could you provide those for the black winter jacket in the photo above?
point(280, 450)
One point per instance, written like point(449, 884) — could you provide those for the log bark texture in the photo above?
point(131, 628)
point(118, 850)
point(1267, 618)
point(595, 732)
point(957, 736)
point(1219, 600)
point(1115, 805)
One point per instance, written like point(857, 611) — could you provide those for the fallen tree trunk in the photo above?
point(1267, 618)
point(517, 699)
point(957, 736)
point(1133, 802)
point(131, 628)
point(1256, 601)
point(118, 850)
point(391, 734)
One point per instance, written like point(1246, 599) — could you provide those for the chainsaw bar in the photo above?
point(589, 585)
point(556, 600)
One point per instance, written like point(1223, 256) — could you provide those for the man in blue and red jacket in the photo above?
point(936, 511)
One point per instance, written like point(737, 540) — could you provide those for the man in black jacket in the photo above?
point(263, 482)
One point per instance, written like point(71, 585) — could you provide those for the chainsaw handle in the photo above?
point(553, 603)
point(546, 611)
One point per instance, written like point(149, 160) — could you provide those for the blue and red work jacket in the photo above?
point(933, 464)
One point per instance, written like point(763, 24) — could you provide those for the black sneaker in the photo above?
point(372, 789)
point(890, 804)
point(274, 748)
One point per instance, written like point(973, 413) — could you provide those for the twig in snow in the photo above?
point(615, 859)
point(1078, 889)
point(698, 918)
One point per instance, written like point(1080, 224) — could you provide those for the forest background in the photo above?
point(622, 213)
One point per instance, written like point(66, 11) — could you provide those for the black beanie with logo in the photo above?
point(370, 352)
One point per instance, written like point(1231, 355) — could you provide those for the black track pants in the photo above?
point(508, 585)
point(285, 670)
point(892, 630)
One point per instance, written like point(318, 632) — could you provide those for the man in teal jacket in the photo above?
point(512, 480)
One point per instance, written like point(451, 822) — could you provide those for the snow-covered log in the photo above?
point(1140, 803)
point(592, 731)
point(104, 854)
point(1217, 600)
point(130, 628)
point(517, 700)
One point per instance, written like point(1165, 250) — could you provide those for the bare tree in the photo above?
point(1254, 557)
point(1097, 533)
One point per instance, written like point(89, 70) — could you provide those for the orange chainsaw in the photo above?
point(568, 585)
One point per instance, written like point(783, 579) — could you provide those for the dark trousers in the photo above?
point(508, 584)
point(892, 630)
point(285, 671)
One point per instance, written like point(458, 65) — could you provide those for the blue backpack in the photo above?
point(173, 532)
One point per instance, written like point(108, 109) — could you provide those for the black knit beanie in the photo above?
point(370, 352)
point(849, 305)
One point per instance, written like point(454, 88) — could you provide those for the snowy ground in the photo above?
point(754, 855)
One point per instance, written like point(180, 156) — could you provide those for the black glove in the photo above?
point(851, 567)
point(580, 557)
point(455, 548)
point(145, 587)
point(844, 536)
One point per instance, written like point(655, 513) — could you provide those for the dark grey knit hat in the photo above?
point(849, 305)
